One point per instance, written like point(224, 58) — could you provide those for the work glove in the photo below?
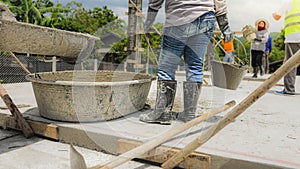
point(151, 15)
point(224, 27)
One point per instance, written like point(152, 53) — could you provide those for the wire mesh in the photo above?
point(11, 72)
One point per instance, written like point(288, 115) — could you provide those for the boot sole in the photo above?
point(158, 122)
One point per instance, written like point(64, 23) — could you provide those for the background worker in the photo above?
point(268, 53)
point(187, 32)
point(258, 46)
point(291, 10)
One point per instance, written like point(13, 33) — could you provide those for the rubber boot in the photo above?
point(191, 93)
point(162, 114)
point(255, 71)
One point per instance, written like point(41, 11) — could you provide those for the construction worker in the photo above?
point(187, 32)
point(258, 46)
point(291, 10)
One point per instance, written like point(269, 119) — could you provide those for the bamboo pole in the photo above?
point(290, 64)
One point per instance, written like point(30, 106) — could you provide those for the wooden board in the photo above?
point(40, 128)
point(162, 153)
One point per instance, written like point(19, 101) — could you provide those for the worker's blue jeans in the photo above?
point(190, 41)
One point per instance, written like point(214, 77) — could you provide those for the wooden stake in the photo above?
point(144, 148)
point(289, 65)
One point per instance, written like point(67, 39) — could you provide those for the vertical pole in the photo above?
point(134, 30)
point(54, 64)
point(95, 64)
point(138, 31)
point(131, 32)
point(81, 65)
point(148, 55)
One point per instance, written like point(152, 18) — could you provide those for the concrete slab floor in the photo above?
point(266, 133)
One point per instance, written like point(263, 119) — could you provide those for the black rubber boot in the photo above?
point(162, 114)
point(191, 93)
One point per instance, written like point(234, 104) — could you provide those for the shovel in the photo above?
point(142, 149)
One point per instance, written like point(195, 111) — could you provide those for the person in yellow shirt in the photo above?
point(291, 10)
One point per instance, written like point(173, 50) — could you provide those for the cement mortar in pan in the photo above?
point(89, 96)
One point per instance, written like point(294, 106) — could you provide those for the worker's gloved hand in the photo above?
point(224, 27)
point(151, 15)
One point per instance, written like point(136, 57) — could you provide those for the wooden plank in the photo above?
point(39, 128)
point(139, 14)
point(130, 61)
point(162, 153)
point(139, 66)
point(139, 49)
point(140, 32)
point(136, 49)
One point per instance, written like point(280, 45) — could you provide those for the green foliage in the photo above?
point(83, 20)
point(277, 55)
point(30, 11)
point(278, 51)
point(279, 41)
